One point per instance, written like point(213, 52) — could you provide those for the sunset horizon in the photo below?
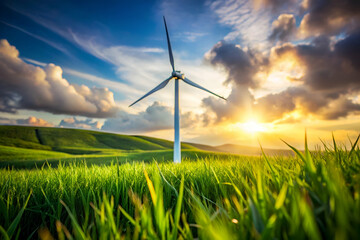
point(180, 119)
point(283, 66)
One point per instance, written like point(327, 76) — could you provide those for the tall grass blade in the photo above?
point(16, 221)
point(4, 233)
point(78, 231)
point(151, 188)
point(353, 147)
point(179, 202)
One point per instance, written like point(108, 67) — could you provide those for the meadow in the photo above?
point(33, 147)
point(310, 195)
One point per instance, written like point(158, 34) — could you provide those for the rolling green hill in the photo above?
point(23, 146)
point(243, 150)
point(61, 138)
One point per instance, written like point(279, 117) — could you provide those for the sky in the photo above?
point(285, 67)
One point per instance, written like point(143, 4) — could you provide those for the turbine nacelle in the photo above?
point(178, 75)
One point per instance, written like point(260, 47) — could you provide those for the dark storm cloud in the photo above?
point(25, 86)
point(330, 16)
point(155, 117)
point(283, 28)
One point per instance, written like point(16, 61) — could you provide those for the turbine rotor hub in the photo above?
point(177, 75)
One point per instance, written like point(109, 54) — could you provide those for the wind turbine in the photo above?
point(177, 76)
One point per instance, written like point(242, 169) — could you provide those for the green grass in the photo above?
point(165, 143)
point(58, 138)
point(14, 154)
point(312, 195)
point(31, 147)
point(27, 158)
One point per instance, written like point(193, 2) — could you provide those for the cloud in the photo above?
point(273, 106)
point(113, 85)
point(325, 85)
point(275, 5)
point(155, 117)
point(241, 64)
point(318, 17)
point(143, 70)
point(328, 84)
point(236, 108)
point(73, 122)
point(189, 36)
point(352, 126)
point(283, 28)
point(329, 17)
point(332, 70)
point(320, 79)
point(250, 25)
point(32, 121)
point(349, 49)
point(140, 67)
point(25, 86)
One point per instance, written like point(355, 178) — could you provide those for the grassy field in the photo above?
point(311, 195)
point(33, 147)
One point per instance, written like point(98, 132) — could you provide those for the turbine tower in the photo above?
point(177, 76)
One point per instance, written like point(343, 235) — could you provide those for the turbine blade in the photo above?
point(157, 88)
point(202, 88)
point(169, 46)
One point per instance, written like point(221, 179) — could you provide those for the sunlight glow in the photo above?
point(253, 127)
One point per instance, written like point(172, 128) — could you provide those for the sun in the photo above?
point(253, 127)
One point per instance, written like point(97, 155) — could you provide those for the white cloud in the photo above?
point(25, 86)
point(31, 121)
point(143, 70)
point(113, 85)
point(250, 25)
point(155, 117)
point(73, 122)
point(189, 36)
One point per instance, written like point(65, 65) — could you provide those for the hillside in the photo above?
point(241, 149)
point(23, 143)
point(61, 138)
point(246, 150)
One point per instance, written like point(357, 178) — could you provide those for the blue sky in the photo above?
point(112, 52)
point(43, 31)
point(48, 30)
